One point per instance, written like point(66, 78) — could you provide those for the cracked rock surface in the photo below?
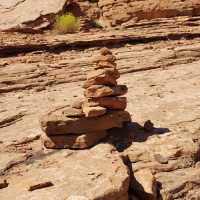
point(160, 64)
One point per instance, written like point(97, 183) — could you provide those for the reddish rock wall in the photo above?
point(123, 11)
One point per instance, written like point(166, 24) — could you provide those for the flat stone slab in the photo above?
point(115, 103)
point(97, 173)
point(105, 64)
point(108, 58)
point(96, 91)
point(82, 141)
point(93, 111)
point(73, 112)
point(56, 123)
point(106, 76)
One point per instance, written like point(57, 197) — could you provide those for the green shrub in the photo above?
point(67, 23)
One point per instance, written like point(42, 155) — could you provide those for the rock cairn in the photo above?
point(86, 122)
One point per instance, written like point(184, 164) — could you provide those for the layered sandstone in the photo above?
point(19, 15)
point(129, 12)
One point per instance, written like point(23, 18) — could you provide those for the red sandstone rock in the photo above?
point(107, 58)
point(115, 13)
point(106, 76)
point(105, 51)
point(73, 112)
point(94, 111)
point(105, 64)
point(55, 123)
point(82, 141)
point(115, 103)
point(96, 91)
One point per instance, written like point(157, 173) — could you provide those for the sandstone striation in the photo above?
point(86, 122)
point(18, 15)
point(128, 13)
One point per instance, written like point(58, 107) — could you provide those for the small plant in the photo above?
point(67, 23)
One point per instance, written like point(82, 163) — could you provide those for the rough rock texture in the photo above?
point(93, 111)
point(182, 183)
point(28, 13)
point(73, 141)
point(72, 112)
point(144, 184)
point(159, 62)
point(19, 15)
point(102, 77)
point(130, 12)
point(97, 91)
point(114, 103)
point(76, 174)
point(167, 156)
point(57, 123)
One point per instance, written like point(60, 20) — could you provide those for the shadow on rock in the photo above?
point(140, 134)
point(122, 138)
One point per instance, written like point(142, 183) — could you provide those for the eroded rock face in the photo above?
point(129, 12)
point(28, 13)
point(19, 14)
point(180, 183)
point(166, 163)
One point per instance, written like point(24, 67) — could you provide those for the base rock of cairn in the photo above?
point(87, 121)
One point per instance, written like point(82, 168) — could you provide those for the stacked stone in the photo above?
point(101, 89)
point(86, 122)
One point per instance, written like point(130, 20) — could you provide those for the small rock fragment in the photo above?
point(105, 51)
point(40, 186)
point(3, 184)
point(93, 111)
point(148, 126)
